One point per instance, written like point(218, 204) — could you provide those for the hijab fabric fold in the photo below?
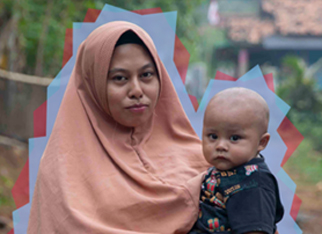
point(97, 176)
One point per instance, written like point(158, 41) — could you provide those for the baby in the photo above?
point(239, 194)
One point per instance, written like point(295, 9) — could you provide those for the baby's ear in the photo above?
point(263, 141)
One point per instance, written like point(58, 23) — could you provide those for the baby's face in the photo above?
point(230, 136)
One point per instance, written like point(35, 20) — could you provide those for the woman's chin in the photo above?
point(134, 122)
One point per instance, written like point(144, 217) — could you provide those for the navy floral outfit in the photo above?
point(243, 199)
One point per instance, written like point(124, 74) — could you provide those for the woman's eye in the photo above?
point(213, 136)
point(235, 138)
point(119, 78)
point(147, 74)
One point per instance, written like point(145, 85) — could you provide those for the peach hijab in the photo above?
point(97, 176)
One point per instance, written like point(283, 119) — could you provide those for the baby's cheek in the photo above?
point(207, 150)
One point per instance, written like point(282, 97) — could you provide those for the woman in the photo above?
point(122, 156)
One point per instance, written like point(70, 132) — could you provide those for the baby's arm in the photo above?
point(254, 210)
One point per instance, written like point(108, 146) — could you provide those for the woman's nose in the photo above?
point(135, 88)
point(221, 145)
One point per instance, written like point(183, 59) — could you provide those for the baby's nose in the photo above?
point(221, 145)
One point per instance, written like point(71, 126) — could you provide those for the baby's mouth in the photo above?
point(220, 157)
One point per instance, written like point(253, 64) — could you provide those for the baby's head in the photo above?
point(235, 128)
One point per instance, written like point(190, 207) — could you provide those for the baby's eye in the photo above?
point(235, 138)
point(213, 136)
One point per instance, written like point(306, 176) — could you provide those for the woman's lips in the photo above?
point(137, 108)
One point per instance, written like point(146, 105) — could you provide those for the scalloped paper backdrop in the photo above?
point(284, 136)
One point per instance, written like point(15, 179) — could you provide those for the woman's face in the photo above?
point(132, 85)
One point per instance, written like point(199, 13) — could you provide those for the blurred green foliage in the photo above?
point(46, 21)
point(5, 195)
point(306, 162)
point(297, 86)
point(211, 39)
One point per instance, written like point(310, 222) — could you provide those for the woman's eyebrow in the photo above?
point(116, 70)
point(124, 70)
point(148, 65)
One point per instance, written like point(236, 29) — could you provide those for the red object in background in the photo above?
point(194, 102)
point(40, 120)
point(68, 46)
point(291, 137)
point(148, 11)
point(222, 76)
point(91, 15)
point(181, 58)
point(20, 190)
point(270, 81)
point(295, 207)
point(11, 232)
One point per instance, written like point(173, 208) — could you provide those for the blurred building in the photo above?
point(264, 31)
point(196, 80)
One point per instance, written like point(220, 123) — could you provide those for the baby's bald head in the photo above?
point(234, 128)
point(242, 103)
